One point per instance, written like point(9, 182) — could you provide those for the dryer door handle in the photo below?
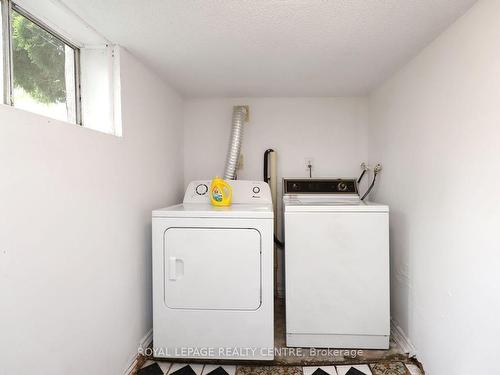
point(175, 268)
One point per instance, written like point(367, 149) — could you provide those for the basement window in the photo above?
point(57, 66)
point(43, 69)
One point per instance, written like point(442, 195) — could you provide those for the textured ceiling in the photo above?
point(272, 47)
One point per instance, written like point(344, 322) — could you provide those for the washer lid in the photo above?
point(332, 205)
point(247, 211)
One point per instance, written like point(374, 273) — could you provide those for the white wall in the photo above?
point(436, 129)
point(75, 230)
point(331, 130)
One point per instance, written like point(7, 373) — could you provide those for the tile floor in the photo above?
point(386, 368)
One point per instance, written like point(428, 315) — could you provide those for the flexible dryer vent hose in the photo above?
point(240, 116)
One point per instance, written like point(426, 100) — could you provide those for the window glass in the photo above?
point(43, 71)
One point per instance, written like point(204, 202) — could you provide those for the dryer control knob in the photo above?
point(201, 189)
point(256, 189)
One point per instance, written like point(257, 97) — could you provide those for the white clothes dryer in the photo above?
point(213, 275)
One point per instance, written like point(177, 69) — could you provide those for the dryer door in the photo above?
point(212, 268)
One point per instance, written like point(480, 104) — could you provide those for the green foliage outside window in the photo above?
point(38, 61)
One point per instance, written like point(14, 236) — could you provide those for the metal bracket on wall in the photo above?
point(247, 111)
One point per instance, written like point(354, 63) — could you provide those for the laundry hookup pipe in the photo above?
point(240, 116)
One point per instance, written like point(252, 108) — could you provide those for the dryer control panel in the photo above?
point(320, 186)
point(244, 192)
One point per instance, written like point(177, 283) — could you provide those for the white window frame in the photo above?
point(7, 6)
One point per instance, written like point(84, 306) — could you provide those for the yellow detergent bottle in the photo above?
point(220, 192)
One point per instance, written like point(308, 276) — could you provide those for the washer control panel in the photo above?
point(244, 192)
point(319, 186)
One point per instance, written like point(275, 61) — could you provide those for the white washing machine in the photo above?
point(213, 275)
point(336, 266)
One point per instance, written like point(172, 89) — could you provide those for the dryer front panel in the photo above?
point(212, 268)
